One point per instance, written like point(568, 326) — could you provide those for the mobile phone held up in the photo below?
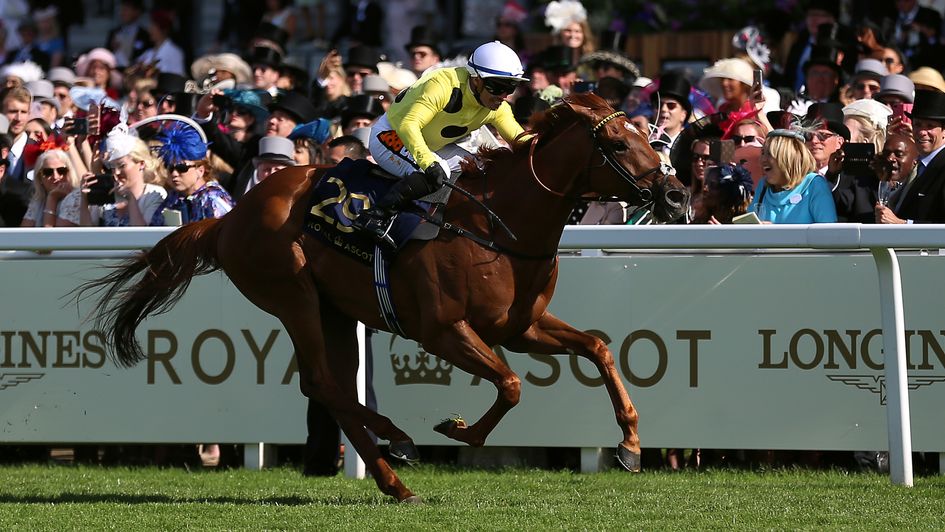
point(100, 193)
point(77, 126)
point(900, 110)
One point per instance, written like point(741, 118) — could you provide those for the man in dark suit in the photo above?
point(817, 13)
point(916, 26)
point(129, 39)
point(924, 196)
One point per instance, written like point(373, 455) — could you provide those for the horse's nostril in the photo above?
point(675, 198)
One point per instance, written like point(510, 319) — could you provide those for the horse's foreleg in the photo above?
point(462, 347)
point(550, 335)
point(341, 345)
point(318, 382)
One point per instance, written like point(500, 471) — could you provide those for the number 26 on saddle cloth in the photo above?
point(338, 197)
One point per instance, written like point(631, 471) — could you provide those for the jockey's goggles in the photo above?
point(500, 86)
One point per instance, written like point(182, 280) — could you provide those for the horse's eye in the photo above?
point(618, 147)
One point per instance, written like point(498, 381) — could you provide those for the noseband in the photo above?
point(645, 195)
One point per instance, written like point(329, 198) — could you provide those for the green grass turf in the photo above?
point(93, 498)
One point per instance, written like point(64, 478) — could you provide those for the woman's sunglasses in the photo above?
point(499, 87)
point(180, 168)
point(739, 139)
point(63, 171)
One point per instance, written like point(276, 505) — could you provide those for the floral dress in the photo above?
point(149, 203)
point(68, 208)
point(209, 201)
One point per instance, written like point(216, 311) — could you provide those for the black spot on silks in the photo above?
point(454, 131)
point(455, 103)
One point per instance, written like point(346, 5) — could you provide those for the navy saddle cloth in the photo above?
point(342, 193)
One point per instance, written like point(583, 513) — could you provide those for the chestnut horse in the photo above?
point(454, 296)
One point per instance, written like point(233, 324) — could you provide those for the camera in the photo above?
point(583, 86)
point(78, 126)
point(222, 102)
point(857, 157)
point(100, 193)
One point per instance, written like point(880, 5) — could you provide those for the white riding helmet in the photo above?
point(495, 60)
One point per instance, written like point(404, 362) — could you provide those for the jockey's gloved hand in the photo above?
point(435, 175)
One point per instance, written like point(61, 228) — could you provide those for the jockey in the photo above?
point(415, 138)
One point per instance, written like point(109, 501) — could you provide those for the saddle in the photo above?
point(343, 192)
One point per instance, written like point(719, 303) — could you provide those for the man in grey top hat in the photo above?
point(49, 106)
point(275, 153)
point(867, 77)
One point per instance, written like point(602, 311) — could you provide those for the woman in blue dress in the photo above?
point(791, 191)
point(194, 194)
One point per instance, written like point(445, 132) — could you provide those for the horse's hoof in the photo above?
point(413, 499)
point(628, 459)
point(446, 426)
point(405, 451)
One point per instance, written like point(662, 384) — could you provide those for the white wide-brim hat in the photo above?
point(732, 68)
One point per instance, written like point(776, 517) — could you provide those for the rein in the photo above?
point(645, 195)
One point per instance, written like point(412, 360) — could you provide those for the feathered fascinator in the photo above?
point(746, 112)
point(318, 130)
point(119, 142)
point(558, 15)
point(735, 181)
point(27, 71)
point(750, 41)
point(32, 150)
point(180, 142)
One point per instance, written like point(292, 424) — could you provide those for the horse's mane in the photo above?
point(543, 124)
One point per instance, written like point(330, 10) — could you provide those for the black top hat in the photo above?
point(673, 84)
point(365, 105)
point(558, 58)
point(170, 83)
point(296, 105)
point(293, 68)
point(831, 114)
point(615, 41)
point(929, 105)
point(364, 56)
point(824, 55)
point(264, 55)
point(423, 36)
point(137, 4)
point(929, 18)
point(830, 6)
point(273, 33)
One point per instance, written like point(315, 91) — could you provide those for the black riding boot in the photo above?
point(377, 220)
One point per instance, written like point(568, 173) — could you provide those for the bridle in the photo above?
point(645, 195)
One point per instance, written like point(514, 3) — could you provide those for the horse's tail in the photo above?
point(125, 299)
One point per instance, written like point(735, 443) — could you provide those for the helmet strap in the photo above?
point(474, 91)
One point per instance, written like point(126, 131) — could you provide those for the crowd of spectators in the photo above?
point(844, 122)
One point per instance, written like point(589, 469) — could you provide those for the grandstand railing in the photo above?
point(881, 241)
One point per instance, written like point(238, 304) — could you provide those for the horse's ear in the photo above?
point(579, 108)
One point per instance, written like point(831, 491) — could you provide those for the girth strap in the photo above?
point(385, 300)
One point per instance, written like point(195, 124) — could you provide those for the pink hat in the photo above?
point(96, 54)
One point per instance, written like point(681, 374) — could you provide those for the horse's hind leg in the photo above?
point(459, 345)
point(550, 335)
